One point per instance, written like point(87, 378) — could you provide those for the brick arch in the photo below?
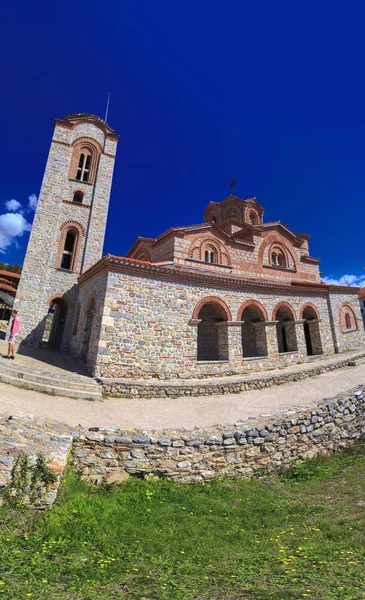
point(198, 245)
point(92, 147)
point(251, 303)
point(76, 224)
point(143, 255)
point(212, 300)
point(283, 304)
point(80, 232)
point(309, 305)
point(275, 238)
point(248, 212)
point(59, 297)
point(91, 305)
point(347, 309)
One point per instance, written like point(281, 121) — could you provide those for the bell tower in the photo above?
point(68, 231)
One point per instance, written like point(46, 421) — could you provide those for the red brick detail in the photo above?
point(309, 305)
point(283, 304)
point(202, 243)
point(251, 303)
point(85, 145)
point(92, 301)
point(275, 238)
point(347, 309)
point(80, 232)
point(59, 297)
point(143, 255)
point(211, 300)
point(76, 203)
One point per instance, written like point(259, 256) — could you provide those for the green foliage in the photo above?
point(273, 538)
point(12, 268)
point(28, 483)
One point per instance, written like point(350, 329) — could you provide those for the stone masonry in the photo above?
point(265, 444)
point(146, 324)
point(43, 279)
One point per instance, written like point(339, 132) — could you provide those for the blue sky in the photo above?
point(271, 93)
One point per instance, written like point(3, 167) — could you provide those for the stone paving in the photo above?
point(46, 361)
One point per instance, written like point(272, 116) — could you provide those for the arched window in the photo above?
point(83, 170)
point(78, 197)
point(211, 256)
point(277, 257)
point(253, 218)
point(348, 319)
point(68, 250)
point(84, 159)
point(69, 246)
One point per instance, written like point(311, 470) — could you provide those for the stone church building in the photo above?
point(232, 294)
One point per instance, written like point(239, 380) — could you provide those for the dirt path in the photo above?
point(162, 413)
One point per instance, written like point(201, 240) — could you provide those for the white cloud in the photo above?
point(12, 226)
point(13, 205)
point(32, 201)
point(350, 280)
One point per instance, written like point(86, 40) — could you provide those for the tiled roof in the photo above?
point(181, 272)
point(10, 274)
point(361, 293)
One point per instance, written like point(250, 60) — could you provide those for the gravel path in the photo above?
point(160, 413)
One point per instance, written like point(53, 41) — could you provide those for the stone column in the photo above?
point(260, 338)
point(299, 330)
point(193, 323)
point(272, 339)
point(235, 340)
point(230, 340)
point(316, 335)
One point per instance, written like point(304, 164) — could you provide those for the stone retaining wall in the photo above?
point(218, 385)
point(112, 455)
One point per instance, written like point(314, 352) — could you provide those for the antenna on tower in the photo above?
point(107, 107)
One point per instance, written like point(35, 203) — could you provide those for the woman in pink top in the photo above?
point(14, 330)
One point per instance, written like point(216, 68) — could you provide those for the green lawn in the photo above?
point(298, 536)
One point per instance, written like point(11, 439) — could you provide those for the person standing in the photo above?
point(14, 330)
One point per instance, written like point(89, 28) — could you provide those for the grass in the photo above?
point(297, 536)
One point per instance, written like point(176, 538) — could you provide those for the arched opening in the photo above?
point(253, 218)
point(211, 255)
point(254, 341)
point(285, 330)
point(68, 253)
point(78, 197)
point(83, 168)
point(88, 328)
point(348, 320)
point(277, 257)
point(55, 323)
point(311, 331)
point(212, 333)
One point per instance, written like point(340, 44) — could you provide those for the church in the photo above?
point(232, 294)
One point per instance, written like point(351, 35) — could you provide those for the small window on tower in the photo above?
point(78, 197)
point(68, 251)
point(253, 218)
point(83, 170)
point(348, 321)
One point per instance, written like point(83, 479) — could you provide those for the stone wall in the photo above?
point(239, 451)
point(42, 280)
point(148, 329)
point(137, 388)
point(350, 339)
